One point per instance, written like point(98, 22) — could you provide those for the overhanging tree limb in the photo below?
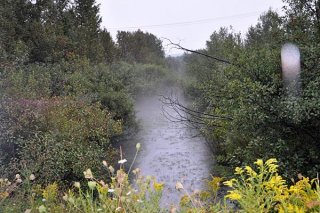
point(183, 113)
point(174, 111)
point(199, 53)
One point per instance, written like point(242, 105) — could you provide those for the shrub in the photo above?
point(94, 195)
point(56, 138)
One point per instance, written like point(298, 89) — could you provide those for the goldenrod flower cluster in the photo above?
point(264, 190)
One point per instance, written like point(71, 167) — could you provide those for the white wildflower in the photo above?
point(65, 197)
point(122, 161)
point(179, 186)
point(88, 174)
point(136, 171)
point(42, 209)
point(92, 185)
point(32, 177)
point(138, 146)
point(77, 184)
point(111, 169)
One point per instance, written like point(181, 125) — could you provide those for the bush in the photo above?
point(94, 195)
point(32, 81)
point(57, 138)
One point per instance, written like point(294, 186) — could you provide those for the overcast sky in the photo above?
point(187, 22)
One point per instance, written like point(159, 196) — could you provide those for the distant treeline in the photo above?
point(49, 31)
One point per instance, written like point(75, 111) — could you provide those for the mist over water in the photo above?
point(170, 152)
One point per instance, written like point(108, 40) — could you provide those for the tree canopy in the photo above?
point(252, 115)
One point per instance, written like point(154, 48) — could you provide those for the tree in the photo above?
point(140, 47)
point(87, 29)
point(110, 50)
point(263, 121)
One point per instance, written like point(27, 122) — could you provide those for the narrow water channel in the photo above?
point(170, 152)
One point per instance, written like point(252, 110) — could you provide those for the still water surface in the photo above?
point(170, 152)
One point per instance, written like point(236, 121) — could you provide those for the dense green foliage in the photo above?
point(76, 107)
point(67, 89)
point(252, 115)
point(56, 138)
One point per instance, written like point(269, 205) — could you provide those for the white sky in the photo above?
point(189, 22)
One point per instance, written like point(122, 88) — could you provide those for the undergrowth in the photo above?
point(253, 189)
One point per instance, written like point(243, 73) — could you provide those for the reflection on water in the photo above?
point(169, 151)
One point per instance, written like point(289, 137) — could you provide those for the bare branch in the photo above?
point(174, 111)
point(178, 46)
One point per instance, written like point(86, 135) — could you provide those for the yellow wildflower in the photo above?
point(3, 195)
point(214, 184)
point(233, 195)
point(259, 162)
point(239, 171)
point(229, 182)
point(294, 209)
point(271, 161)
point(158, 186)
point(250, 171)
point(184, 200)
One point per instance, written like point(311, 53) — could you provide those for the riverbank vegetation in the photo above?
point(250, 114)
point(254, 189)
point(68, 89)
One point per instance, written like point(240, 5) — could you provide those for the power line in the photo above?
point(185, 23)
